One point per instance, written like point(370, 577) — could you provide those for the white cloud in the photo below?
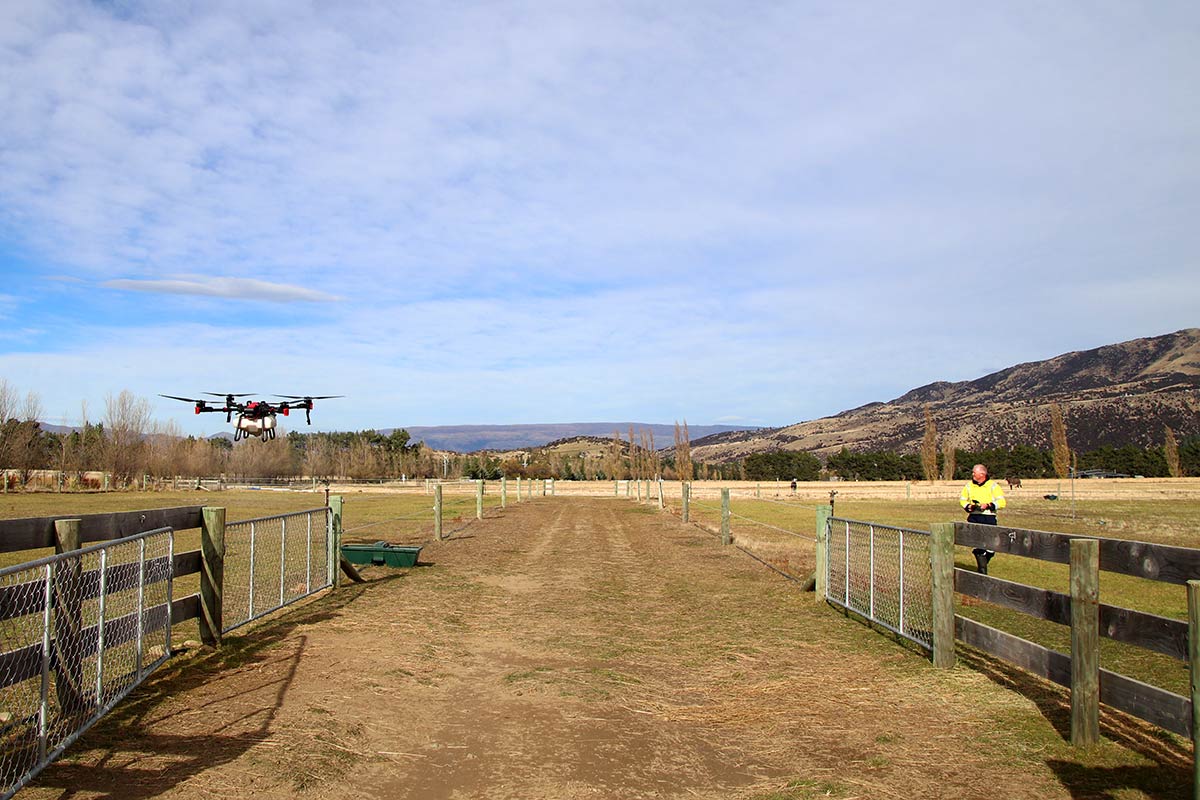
point(233, 288)
point(684, 208)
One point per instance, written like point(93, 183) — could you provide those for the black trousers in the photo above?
point(982, 519)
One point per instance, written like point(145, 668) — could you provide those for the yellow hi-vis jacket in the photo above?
point(985, 494)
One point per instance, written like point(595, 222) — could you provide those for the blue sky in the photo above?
point(549, 212)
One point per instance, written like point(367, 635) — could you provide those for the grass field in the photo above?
point(1143, 516)
point(1162, 511)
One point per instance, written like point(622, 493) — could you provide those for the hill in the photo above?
point(472, 438)
point(1113, 395)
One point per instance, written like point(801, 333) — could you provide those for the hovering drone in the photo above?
point(255, 417)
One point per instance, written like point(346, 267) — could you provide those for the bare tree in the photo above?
point(948, 459)
point(683, 452)
point(126, 419)
point(1171, 452)
point(1058, 442)
point(929, 448)
point(22, 443)
point(633, 457)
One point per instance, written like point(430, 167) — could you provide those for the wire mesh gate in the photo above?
point(882, 573)
point(273, 561)
point(78, 632)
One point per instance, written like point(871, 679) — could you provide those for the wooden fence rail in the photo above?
point(33, 533)
point(1089, 684)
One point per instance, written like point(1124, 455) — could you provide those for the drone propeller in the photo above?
point(306, 402)
point(227, 394)
point(201, 405)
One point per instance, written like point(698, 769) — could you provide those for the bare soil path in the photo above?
point(581, 648)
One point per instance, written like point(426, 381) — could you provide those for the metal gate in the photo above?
point(273, 561)
point(78, 631)
point(882, 573)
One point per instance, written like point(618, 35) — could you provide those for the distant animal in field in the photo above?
point(1013, 483)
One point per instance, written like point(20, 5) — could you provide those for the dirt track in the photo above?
point(568, 648)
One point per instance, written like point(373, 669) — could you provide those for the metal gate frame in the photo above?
point(908, 593)
point(59, 597)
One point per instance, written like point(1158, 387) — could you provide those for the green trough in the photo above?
point(381, 554)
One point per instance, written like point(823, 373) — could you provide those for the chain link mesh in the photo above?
point(78, 632)
point(273, 561)
point(884, 574)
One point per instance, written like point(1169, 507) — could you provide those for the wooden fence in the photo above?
point(1088, 618)
point(43, 532)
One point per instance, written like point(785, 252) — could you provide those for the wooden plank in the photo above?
point(188, 563)
point(1160, 634)
point(1041, 603)
point(185, 608)
point(38, 532)
point(20, 665)
point(1154, 705)
point(1159, 562)
point(1150, 631)
point(1041, 661)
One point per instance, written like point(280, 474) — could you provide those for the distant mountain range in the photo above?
point(470, 438)
point(1114, 395)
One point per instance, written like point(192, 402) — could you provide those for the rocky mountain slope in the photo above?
point(1114, 395)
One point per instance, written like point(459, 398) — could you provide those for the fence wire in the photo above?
point(786, 550)
point(884, 574)
point(271, 562)
point(78, 632)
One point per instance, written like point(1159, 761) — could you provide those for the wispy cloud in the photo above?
point(231, 288)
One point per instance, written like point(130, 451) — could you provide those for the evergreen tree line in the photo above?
point(1022, 461)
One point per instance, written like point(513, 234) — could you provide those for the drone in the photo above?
point(255, 417)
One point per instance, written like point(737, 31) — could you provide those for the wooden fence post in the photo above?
point(504, 491)
point(941, 557)
point(1085, 641)
point(437, 511)
point(726, 536)
point(335, 541)
point(616, 488)
point(639, 490)
point(687, 502)
point(1193, 601)
point(628, 488)
point(518, 488)
point(757, 490)
point(479, 499)
point(212, 575)
point(661, 505)
point(67, 647)
point(821, 578)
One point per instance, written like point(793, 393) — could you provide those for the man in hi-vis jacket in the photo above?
point(981, 499)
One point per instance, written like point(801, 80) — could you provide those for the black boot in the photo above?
point(982, 557)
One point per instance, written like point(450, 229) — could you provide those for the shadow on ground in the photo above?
point(122, 757)
point(1169, 775)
